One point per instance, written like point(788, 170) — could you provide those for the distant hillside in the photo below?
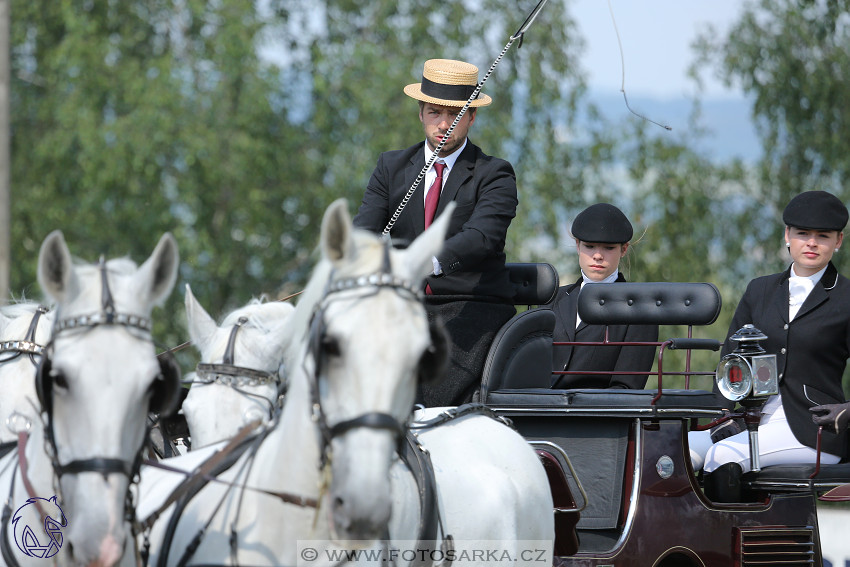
point(729, 129)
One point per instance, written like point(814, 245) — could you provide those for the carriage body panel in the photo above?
point(645, 505)
point(629, 448)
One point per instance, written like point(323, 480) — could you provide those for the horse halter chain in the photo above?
point(28, 344)
point(29, 347)
point(384, 278)
point(237, 377)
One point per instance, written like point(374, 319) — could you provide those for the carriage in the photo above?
point(625, 490)
point(592, 477)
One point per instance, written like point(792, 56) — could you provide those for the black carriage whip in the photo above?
point(517, 36)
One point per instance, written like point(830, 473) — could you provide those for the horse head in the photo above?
point(24, 331)
point(240, 376)
point(98, 380)
point(368, 338)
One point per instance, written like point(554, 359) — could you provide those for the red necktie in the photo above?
point(431, 201)
point(433, 196)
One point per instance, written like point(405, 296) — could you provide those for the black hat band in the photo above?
point(447, 92)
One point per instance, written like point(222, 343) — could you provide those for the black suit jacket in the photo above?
point(484, 188)
point(616, 358)
point(811, 351)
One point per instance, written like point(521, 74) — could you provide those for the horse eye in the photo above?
point(59, 379)
point(330, 346)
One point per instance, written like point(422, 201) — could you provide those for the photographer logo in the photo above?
point(38, 527)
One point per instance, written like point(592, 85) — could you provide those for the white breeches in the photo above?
point(777, 445)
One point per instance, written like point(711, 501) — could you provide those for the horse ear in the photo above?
point(336, 231)
point(201, 325)
point(55, 273)
point(427, 245)
point(161, 269)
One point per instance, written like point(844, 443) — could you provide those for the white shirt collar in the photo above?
point(610, 279)
point(449, 160)
point(799, 288)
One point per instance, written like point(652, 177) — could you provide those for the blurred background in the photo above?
point(234, 123)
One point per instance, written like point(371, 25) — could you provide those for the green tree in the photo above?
point(792, 57)
point(131, 119)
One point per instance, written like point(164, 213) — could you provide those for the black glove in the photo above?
point(727, 429)
point(833, 417)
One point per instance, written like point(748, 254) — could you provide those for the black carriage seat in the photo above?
point(534, 283)
point(659, 303)
point(518, 367)
point(521, 352)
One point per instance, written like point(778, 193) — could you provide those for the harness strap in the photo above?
point(223, 464)
point(198, 478)
point(460, 411)
point(102, 465)
point(419, 463)
point(286, 497)
point(23, 437)
point(231, 341)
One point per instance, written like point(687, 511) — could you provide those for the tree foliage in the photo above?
point(793, 58)
point(234, 124)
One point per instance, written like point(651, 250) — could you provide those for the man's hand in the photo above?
point(833, 417)
point(727, 429)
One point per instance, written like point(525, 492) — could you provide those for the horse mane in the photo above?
point(19, 316)
point(299, 321)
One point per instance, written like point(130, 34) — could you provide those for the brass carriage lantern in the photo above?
point(748, 375)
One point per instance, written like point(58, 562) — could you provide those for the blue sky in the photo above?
point(656, 37)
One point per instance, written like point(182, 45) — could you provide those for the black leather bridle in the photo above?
point(102, 465)
point(383, 279)
point(229, 374)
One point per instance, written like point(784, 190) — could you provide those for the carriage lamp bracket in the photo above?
point(748, 375)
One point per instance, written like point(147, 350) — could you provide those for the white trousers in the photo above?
point(777, 444)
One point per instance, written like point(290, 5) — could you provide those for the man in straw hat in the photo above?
point(469, 288)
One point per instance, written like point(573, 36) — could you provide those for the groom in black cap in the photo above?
point(602, 234)
point(469, 288)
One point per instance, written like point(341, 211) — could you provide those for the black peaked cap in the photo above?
point(817, 210)
point(602, 222)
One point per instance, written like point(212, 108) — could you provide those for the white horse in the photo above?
point(359, 337)
point(240, 377)
point(98, 380)
point(24, 331)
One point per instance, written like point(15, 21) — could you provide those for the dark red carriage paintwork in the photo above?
point(670, 522)
point(621, 441)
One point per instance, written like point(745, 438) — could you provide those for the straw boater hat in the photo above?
point(449, 83)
